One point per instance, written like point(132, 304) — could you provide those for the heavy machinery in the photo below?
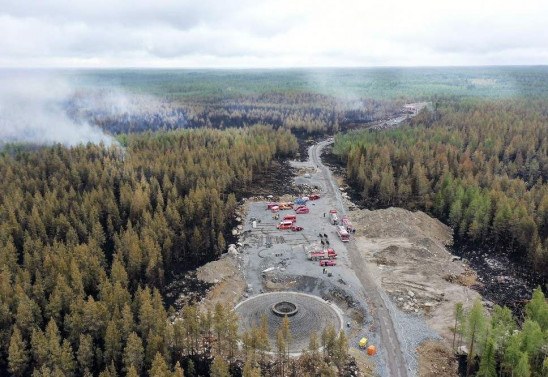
point(322, 254)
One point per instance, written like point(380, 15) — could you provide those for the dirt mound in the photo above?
point(403, 224)
point(406, 252)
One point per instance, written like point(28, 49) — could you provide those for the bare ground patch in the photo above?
point(436, 360)
point(406, 252)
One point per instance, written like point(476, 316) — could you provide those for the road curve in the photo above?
point(388, 335)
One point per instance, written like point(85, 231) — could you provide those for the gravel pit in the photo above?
point(306, 313)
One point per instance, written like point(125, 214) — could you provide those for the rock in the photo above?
point(411, 294)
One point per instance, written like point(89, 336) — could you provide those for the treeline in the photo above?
point(89, 236)
point(497, 346)
point(308, 112)
point(480, 167)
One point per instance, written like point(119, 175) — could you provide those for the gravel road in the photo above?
point(389, 336)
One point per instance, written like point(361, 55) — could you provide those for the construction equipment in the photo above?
point(322, 254)
point(363, 342)
point(342, 233)
point(371, 350)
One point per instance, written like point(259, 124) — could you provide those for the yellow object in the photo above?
point(371, 350)
point(363, 342)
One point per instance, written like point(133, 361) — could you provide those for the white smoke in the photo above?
point(32, 110)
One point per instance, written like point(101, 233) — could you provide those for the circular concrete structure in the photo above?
point(306, 314)
point(284, 308)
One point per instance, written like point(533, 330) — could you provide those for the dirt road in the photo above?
point(388, 331)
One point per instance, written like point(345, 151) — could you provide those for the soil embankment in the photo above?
point(407, 253)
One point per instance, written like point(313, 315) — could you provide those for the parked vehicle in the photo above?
point(292, 218)
point(269, 205)
point(285, 225)
point(296, 228)
point(302, 210)
point(301, 201)
point(314, 197)
point(286, 205)
point(327, 262)
point(347, 224)
point(343, 234)
point(322, 254)
point(333, 217)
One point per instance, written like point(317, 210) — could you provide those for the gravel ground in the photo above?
point(283, 266)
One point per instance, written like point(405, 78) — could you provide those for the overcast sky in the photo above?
point(277, 33)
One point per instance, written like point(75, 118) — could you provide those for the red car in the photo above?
point(302, 210)
point(313, 197)
point(327, 262)
point(296, 228)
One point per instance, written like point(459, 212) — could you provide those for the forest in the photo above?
point(499, 346)
point(302, 112)
point(89, 236)
point(479, 166)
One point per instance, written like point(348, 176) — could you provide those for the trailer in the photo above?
point(322, 254)
point(347, 224)
point(343, 234)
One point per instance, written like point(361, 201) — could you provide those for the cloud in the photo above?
point(246, 33)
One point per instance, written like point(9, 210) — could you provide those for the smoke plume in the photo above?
point(32, 110)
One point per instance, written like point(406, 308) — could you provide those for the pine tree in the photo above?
point(219, 368)
point(475, 327)
point(178, 371)
point(134, 353)
point(18, 357)
point(159, 367)
point(85, 354)
point(522, 369)
point(487, 366)
point(113, 343)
